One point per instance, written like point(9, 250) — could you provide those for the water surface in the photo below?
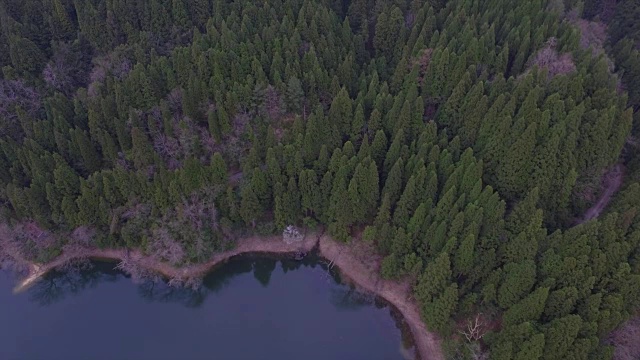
point(250, 308)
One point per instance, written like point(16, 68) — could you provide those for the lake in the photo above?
point(249, 308)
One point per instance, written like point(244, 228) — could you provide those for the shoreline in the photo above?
point(358, 268)
point(362, 269)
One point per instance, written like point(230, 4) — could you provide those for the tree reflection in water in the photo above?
point(347, 298)
point(160, 291)
point(58, 285)
point(262, 270)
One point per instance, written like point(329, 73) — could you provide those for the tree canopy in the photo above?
point(465, 139)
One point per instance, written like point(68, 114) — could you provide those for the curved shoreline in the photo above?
point(360, 270)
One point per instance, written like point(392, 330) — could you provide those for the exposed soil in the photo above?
point(356, 261)
point(611, 182)
point(254, 244)
point(235, 178)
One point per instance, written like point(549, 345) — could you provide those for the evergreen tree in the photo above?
point(357, 126)
point(393, 185)
point(389, 33)
point(518, 281)
point(295, 95)
point(250, 208)
point(142, 152)
point(341, 113)
point(379, 148)
point(407, 203)
point(128, 117)
point(434, 280)
point(437, 313)
point(90, 156)
point(532, 348)
point(513, 170)
point(309, 192)
point(528, 309)
point(394, 153)
point(339, 209)
point(559, 335)
point(218, 169)
point(26, 57)
point(465, 255)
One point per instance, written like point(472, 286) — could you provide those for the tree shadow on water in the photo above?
point(58, 285)
point(344, 297)
point(214, 282)
point(262, 270)
point(161, 292)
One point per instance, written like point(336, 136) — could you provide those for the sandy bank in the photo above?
point(355, 261)
point(253, 244)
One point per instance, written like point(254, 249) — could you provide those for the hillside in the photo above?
point(464, 140)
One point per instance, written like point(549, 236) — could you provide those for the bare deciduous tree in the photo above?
point(475, 329)
point(121, 68)
point(192, 211)
point(137, 271)
point(174, 99)
point(61, 72)
point(548, 58)
point(207, 141)
point(423, 61)
point(135, 211)
point(166, 146)
point(190, 282)
point(240, 121)
point(272, 103)
point(113, 63)
point(33, 240)
point(187, 135)
point(593, 34)
point(83, 235)
point(75, 265)
point(164, 247)
point(10, 250)
point(16, 94)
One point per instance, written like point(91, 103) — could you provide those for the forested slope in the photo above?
point(462, 138)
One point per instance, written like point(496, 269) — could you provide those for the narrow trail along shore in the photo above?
point(356, 262)
point(362, 268)
point(254, 244)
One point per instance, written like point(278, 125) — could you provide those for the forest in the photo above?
point(464, 139)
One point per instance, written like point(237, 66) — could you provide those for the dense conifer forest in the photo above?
point(465, 139)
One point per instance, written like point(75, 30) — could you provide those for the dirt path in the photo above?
point(611, 182)
point(254, 244)
point(236, 178)
point(356, 261)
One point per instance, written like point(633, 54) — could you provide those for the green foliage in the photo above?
point(528, 309)
point(424, 125)
point(518, 281)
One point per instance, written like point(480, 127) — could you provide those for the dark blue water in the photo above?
point(247, 309)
